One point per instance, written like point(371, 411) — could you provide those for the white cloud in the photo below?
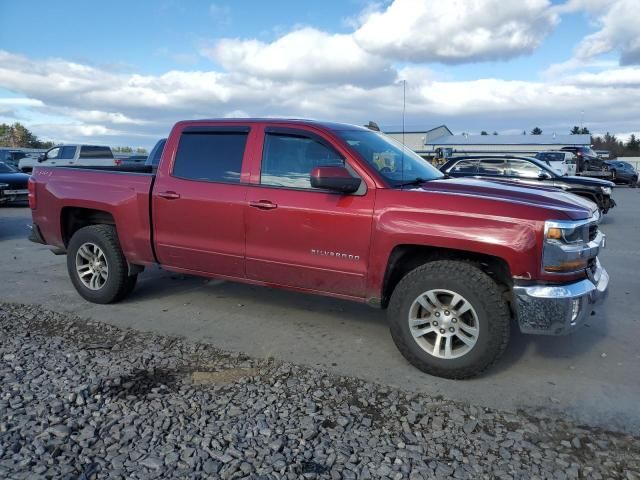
point(456, 31)
point(305, 54)
point(618, 23)
point(21, 102)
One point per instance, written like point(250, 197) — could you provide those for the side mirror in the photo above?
point(42, 158)
point(334, 178)
point(543, 176)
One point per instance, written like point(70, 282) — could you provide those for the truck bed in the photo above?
point(65, 195)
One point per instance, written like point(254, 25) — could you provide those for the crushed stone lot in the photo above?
point(85, 400)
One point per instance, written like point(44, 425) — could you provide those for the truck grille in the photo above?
point(593, 231)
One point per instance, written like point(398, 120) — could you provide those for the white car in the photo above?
point(563, 163)
point(71, 155)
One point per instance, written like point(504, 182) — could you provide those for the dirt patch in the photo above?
point(222, 377)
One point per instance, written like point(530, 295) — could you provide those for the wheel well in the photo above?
point(405, 258)
point(73, 219)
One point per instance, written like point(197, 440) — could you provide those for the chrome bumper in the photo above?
point(559, 309)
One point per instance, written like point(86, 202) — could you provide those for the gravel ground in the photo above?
point(85, 400)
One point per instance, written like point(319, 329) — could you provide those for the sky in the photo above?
point(122, 72)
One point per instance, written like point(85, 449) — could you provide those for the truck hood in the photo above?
point(575, 207)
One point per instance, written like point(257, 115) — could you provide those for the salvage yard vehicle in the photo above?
point(337, 210)
point(13, 185)
point(533, 172)
point(622, 172)
point(563, 163)
point(65, 155)
point(587, 159)
point(11, 157)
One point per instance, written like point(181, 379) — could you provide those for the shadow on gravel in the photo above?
point(140, 383)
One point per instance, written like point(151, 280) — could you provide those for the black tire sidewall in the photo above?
point(112, 289)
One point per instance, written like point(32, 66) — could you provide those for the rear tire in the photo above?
point(96, 265)
point(467, 301)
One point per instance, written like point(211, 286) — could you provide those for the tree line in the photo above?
point(19, 136)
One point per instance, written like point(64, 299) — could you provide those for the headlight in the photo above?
point(566, 247)
point(606, 190)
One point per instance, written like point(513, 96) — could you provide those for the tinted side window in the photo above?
point(522, 168)
point(287, 160)
point(89, 151)
point(465, 166)
point(210, 156)
point(491, 166)
point(67, 153)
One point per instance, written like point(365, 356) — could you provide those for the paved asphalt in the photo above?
point(591, 376)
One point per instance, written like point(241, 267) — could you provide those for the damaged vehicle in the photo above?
point(336, 210)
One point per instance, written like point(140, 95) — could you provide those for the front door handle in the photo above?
point(263, 204)
point(169, 195)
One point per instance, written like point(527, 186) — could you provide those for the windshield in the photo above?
point(4, 168)
point(588, 151)
point(397, 164)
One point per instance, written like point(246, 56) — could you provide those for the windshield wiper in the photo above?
point(418, 181)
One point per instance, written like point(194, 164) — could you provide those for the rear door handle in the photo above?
point(263, 204)
point(169, 195)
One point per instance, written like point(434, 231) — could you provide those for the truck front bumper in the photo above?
point(559, 309)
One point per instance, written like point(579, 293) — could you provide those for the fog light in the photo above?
point(575, 309)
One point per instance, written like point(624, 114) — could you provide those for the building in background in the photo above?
point(440, 143)
point(418, 140)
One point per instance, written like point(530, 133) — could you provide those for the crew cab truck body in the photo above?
point(337, 210)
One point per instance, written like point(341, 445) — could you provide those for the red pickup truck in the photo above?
point(337, 210)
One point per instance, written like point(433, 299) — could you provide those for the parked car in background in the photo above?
point(337, 210)
point(11, 157)
point(563, 163)
point(533, 172)
point(587, 159)
point(623, 172)
point(13, 184)
point(156, 153)
point(26, 164)
point(70, 155)
point(131, 161)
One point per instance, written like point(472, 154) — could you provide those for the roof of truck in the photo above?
point(300, 121)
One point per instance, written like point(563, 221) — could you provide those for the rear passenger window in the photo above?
point(90, 151)
point(287, 160)
point(210, 156)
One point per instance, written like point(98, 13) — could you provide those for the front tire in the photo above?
point(96, 265)
point(449, 319)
